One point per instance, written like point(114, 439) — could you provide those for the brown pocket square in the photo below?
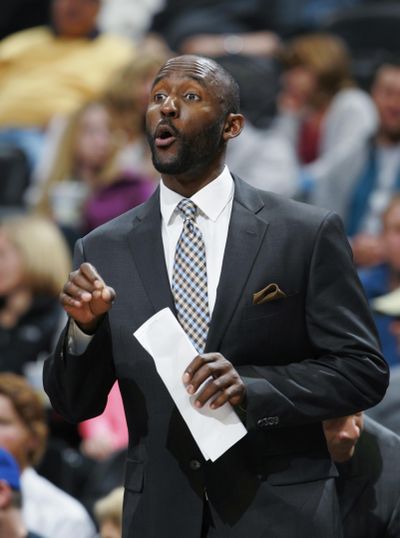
point(272, 292)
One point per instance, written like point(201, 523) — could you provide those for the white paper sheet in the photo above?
point(214, 430)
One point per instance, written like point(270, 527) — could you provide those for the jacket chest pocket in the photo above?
point(282, 306)
point(272, 332)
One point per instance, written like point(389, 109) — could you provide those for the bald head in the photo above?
point(208, 73)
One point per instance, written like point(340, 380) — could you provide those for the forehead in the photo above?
point(200, 70)
point(389, 76)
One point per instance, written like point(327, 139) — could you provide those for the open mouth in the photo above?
point(165, 135)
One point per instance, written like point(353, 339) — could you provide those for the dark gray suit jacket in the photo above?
point(304, 358)
point(369, 485)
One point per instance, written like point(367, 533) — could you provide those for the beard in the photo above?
point(196, 151)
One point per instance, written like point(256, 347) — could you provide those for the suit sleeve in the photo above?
point(78, 385)
point(346, 372)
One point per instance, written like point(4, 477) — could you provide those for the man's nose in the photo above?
point(170, 107)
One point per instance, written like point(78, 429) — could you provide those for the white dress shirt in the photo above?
point(215, 204)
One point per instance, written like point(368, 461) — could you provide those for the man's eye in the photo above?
point(159, 97)
point(190, 96)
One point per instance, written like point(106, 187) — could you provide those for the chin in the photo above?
point(173, 166)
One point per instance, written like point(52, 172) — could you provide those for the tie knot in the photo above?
point(188, 209)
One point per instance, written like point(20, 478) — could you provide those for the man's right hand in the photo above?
point(86, 297)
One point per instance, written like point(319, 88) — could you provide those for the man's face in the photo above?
point(94, 145)
point(15, 436)
point(184, 120)
point(75, 18)
point(341, 436)
point(386, 94)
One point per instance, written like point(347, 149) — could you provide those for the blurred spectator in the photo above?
point(367, 456)
point(11, 522)
point(108, 432)
point(217, 27)
point(327, 119)
point(104, 476)
point(108, 513)
point(52, 70)
point(86, 186)
point(34, 261)
point(382, 279)
point(265, 159)
point(302, 16)
point(379, 177)
point(127, 18)
point(23, 431)
point(127, 99)
point(387, 412)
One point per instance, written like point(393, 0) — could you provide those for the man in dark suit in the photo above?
point(290, 341)
point(368, 460)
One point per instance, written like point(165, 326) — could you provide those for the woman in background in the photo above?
point(34, 262)
point(325, 116)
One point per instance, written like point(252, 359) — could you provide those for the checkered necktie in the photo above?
point(189, 279)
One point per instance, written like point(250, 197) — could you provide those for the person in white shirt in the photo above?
point(47, 510)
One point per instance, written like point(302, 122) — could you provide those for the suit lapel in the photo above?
point(145, 242)
point(245, 235)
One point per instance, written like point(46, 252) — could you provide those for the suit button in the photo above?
point(262, 422)
point(194, 465)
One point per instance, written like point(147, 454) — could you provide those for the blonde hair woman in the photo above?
point(34, 262)
point(84, 159)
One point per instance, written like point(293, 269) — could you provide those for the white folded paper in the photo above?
point(214, 430)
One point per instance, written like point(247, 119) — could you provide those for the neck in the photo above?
point(187, 184)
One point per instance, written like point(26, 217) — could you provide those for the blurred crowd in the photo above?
point(320, 89)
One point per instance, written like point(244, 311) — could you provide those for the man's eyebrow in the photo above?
point(196, 78)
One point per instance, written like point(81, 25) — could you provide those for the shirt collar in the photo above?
point(211, 199)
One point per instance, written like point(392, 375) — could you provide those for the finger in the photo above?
point(233, 394)
point(211, 388)
point(81, 281)
point(76, 292)
point(108, 294)
point(68, 301)
point(90, 272)
point(217, 370)
point(192, 368)
point(199, 361)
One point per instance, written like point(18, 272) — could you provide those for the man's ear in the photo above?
point(234, 124)
point(5, 495)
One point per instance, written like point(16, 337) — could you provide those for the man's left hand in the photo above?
point(223, 383)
